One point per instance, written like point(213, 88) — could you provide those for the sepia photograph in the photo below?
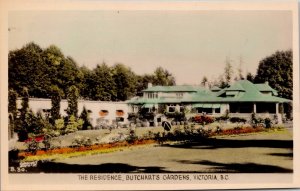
point(154, 96)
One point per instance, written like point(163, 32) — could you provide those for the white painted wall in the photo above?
point(38, 104)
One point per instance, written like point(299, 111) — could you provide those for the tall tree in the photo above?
point(26, 68)
point(125, 82)
point(163, 77)
point(56, 95)
point(101, 83)
point(87, 82)
point(250, 77)
point(23, 121)
point(12, 110)
point(277, 69)
point(85, 117)
point(72, 98)
point(24, 104)
point(228, 71)
point(204, 81)
point(142, 83)
point(12, 103)
point(240, 70)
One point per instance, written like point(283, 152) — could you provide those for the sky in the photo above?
point(189, 44)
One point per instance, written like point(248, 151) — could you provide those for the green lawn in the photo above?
point(266, 152)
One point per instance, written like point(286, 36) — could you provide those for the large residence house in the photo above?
point(241, 99)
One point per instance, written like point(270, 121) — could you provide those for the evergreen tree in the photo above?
point(12, 103)
point(277, 69)
point(55, 103)
point(12, 110)
point(24, 104)
point(23, 120)
point(250, 77)
point(85, 117)
point(228, 72)
point(72, 97)
point(125, 82)
point(204, 81)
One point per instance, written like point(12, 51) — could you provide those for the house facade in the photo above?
point(241, 99)
point(100, 112)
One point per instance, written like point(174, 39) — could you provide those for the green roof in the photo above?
point(250, 93)
point(215, 88)
point(235, 87)
point(265, 88)
point(182, 88)
point(247, 92)
point(153, 101)
point(148, 105)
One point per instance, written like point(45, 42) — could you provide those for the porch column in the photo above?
point(213, 110)
point(254, 107)
point(277, 108)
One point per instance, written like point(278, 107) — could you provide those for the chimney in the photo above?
point(149, 85)
point(266, 82)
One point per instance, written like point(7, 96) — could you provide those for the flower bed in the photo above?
point(237, 130)
point(97, 147)
point(189, 133)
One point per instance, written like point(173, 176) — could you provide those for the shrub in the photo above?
point(222, 118)
point(73, 124)
point(177, 116)
point(13, 156)
point(84, 116)
point(133, 117)
point(203, 119)
point(32, 146)
point(132, 137)
point(237, 120)
point(81, 141)
point(268, 122)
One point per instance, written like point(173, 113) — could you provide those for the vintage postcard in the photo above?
point(168, 95)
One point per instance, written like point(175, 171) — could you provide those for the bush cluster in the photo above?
point(203, 119)
point(189, 133)
point(237, 120)
point(177, 116)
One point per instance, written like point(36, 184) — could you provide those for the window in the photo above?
point(152, 95)
point(181, 109)
point(217, 110)
point(204, 110)
point(119, 112)
point(158, 119)
point(171, 109)
point(103, 113)
point(265, 107)
point(179, 95)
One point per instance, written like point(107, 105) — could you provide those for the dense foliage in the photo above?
point(47, 72)
point(277, 69)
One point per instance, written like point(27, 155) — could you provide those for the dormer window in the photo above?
point(179, 95)
point(152, 95)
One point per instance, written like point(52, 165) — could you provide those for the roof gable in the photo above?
point(246, 92)
point(266, 88)
point(235, 87)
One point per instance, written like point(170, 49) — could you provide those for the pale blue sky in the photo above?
point(190, 44)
